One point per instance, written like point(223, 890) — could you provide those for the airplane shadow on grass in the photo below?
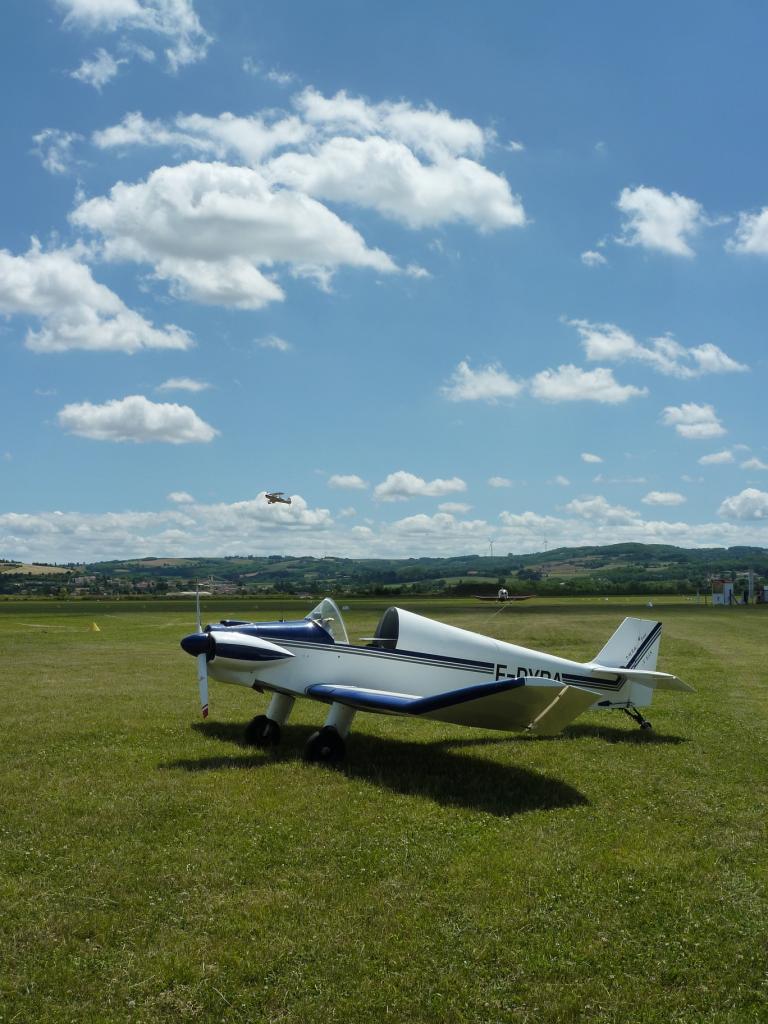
point(608, 733)
point(611, 734)
point(431, 770)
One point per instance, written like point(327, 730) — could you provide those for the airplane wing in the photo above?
point(542, 705)
point(406, 703)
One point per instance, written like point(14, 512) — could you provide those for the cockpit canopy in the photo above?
point(401, 630)
point(327, 615)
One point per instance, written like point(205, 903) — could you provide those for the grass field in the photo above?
point(33, 570)
point(154, 869)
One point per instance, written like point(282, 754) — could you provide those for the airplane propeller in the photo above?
point(202, 662)
point(202, 682)
point(203, 645)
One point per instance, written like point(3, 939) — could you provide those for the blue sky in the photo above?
point(444, 273)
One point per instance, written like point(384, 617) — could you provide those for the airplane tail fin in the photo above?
point(634, 648)
point(635, 644)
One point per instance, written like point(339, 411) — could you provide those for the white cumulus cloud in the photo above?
point(99, 71)
point(499, 481)
point(210, 227)
point(693, 421)
point(180, 498)
point(416, 165)
point(716, 458)
point(75, 311)
point(280, 77)
point(136, 419)
point(749, 504)
point(274, 342)
point(401, 486)
point(434, 132)
point(173, 20)
point(54, 147)
point(656, 220)
point(751, 235)
point(386, 175)
point(609, 343)
point(599, 508)
point(347, 482)
point(245, 517)
point(486, 384)
point(592, 258)
point(250, 139)
point(441, 524)
point(590, 457)
point(711, 359)
point(754, 463)
point(663, 498)
point(191, 528)
point(572, 384)
point(183, 384)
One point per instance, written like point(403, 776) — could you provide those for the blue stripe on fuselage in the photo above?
point(366, 699)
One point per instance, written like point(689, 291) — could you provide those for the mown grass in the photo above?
point(154, 869)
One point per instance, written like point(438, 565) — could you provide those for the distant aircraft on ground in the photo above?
point(503, 595)
point(416, 666)
point(274, 497)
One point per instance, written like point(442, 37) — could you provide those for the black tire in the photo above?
point(646, 724)
point(262, 732)
point(325, 747)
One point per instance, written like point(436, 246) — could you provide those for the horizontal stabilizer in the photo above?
point(656, 680)
point(404, 703)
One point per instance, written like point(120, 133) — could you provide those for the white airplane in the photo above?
point(416, 666)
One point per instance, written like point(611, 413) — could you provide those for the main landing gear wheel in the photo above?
point(262, 732)
point(325, 746)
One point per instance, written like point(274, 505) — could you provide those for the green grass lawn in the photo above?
point(154, 869)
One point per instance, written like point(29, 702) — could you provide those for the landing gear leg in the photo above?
point(264, 730)
point(327, 746)
point(635, 715)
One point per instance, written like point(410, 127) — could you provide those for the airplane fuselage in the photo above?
point(414, 665)
point(415, 673)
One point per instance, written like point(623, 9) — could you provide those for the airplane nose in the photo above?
point(199, 643)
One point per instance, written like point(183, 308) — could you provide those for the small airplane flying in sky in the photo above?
point(274, 497)
point(419, 667)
